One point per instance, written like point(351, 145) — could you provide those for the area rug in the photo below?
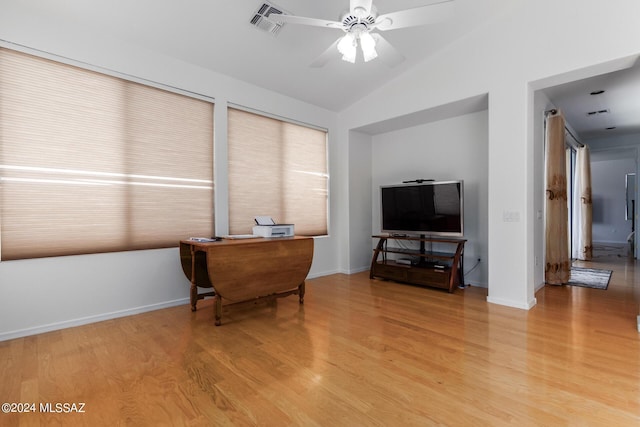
point(589, 277)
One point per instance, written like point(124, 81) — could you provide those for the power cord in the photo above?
point(462, 286)
point(474, 267)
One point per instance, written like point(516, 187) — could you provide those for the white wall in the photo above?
point(45, 294)
point(360, 152)
point(608, 189)
point(52, 293)
point(609, 197)
point(617, 152)
point(450, 149)
point(532, 45)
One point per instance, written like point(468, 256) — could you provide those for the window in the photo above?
point(94, 163)
point(279, 169)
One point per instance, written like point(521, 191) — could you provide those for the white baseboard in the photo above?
point(322, 273)
point(527, 306)
point(476, 284)
point(89, 319)
point(358, 270)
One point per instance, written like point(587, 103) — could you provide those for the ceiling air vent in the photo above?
point(263, 19)
point(598, 112)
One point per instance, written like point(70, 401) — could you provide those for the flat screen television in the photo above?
point(432, 208)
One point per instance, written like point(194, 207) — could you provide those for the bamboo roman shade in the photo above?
point(94, 163)
point(278, 169)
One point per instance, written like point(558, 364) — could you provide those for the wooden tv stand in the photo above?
point(439, 269)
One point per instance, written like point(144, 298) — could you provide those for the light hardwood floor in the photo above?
point(358, 353)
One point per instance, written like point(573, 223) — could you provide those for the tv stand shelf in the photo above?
point(440, 269)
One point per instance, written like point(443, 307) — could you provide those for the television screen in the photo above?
point(430, 208)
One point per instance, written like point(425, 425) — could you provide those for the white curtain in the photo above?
point(582, 207)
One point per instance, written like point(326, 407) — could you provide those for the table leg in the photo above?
point(194, 288)
point(301, 292)
point(217, 309)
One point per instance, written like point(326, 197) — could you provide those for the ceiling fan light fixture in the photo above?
point(347, 47)
point(346, 44)
point(360, 19)
point(368, 46)
point(350, 56)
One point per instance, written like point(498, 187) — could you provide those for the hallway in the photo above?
point(616, 308)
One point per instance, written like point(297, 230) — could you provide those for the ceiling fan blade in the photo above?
point(290, 19)
point(386, 52)
point(423, 15)
point(327, 55)
point(360, 8)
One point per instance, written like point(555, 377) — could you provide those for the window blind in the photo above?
point(278, 169)
point(94, 163)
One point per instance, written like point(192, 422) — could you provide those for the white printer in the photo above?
point(267, 227)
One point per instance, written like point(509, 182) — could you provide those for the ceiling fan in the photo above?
point(358, 24)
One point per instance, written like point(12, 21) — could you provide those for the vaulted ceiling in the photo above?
point(218, 35)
